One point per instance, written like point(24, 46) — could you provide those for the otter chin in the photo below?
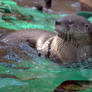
point(71, 43)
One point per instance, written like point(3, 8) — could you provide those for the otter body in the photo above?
point(71, 43)
point(35, 38)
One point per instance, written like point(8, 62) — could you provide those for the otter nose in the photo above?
point(70, 24)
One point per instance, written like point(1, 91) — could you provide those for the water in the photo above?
point(29, 73)
point(62, 6)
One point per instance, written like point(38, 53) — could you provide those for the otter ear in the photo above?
point(57, 22)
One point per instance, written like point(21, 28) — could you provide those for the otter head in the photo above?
point(73, 38)
point(73, 27)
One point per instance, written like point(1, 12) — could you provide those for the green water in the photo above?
point(43, 76)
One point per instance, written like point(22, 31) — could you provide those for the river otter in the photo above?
point(72, 42)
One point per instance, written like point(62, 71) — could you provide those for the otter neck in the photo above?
point(64, 50)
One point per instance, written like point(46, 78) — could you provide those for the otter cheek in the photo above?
point(59, 29)
point(81, 36)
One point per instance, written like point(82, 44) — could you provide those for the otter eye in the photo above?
point(57, 23)
point(86, 25)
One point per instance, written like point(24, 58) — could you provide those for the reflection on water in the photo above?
point(74, 86)
point(63, 6)
point(66, 6)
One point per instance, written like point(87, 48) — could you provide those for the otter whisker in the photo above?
point(68, 36)
point(71, 34)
